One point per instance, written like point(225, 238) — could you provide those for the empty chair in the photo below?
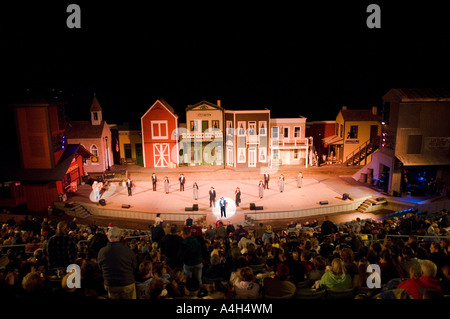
point(341, 294)
point(308, 293)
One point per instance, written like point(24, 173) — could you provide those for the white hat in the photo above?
point(114, 233)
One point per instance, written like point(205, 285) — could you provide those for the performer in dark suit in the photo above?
point(129, 186)
point(266, 180)
point(237, 192)
point(223, 204)
point(212, 197)
point(154, 180)
point(182, 180)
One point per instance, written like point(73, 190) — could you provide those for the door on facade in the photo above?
point(374, 138)
point(230, 156)
point(127, 149)
point(252, 157)
point(161, 155)
point(139, 156)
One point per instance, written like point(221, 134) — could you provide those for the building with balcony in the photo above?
point(247, 138)
point(288, 144)
point(321, 131)
point(357, 136)
point(201, 141)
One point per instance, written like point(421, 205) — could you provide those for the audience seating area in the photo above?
point(309, 261)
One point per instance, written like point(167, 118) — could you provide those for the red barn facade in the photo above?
point(159, 135)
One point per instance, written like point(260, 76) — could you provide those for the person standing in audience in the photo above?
point(118, 264)
point(61, 248)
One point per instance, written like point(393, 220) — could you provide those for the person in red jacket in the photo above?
point(415, 286)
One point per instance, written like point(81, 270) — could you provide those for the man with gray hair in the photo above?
point(416, 286)
point(118, 264)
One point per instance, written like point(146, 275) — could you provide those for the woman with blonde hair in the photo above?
point(336, 277)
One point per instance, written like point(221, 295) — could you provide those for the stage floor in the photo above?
point(318, 185)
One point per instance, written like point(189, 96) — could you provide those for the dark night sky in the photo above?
point(295, 58)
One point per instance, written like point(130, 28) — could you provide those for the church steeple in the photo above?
point(96, 112)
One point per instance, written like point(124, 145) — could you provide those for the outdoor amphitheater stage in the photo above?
point(321, 194)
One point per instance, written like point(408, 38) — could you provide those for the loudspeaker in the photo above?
point(345, 196)
point(323, 202)
point(126, 206)
point(188, 209)
point(102, 202)
point(252, 206)
point(195, 207)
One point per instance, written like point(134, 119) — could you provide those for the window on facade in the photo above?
point(229, 128)
point(296, 154)
point(341, 132)
point(275, 132)
point(215, 124)
point(262, 128)
point(262, 154)
point(241, 128)
point(251, 128)
point(95, 116)
point(285, 132)
point(297, 131)
point(159, 130)
point(275, 154)
point(353, 132)
point(414, 144)
point(94, 150)
point(241, 155)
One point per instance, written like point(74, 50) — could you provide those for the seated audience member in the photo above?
point(145, 276)
point(279, 286)
point(415, 285)
point(336, 277)
point(245, 286)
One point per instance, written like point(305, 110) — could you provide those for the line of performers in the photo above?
point(263, 184)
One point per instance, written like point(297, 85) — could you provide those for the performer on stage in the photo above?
point(237, 192)
point(195, 190)
point(129, 186)
point(154, 180)
point(299, 180)
point(166, 184)
point(266, 180)
point(223, 204)
point(281, 183)
point(96, 189)
point(212, 197)
point(182, 180)
point(261, 189)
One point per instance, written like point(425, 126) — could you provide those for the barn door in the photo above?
point(161, 155)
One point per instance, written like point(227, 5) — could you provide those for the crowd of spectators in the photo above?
point(224, 262)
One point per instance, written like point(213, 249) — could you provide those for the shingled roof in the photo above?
point(84, 129)
point(359, 115)
point(417, 95)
